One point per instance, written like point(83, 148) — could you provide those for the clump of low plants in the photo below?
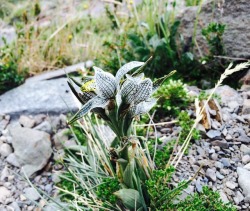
point(213, 33)
point(206, 200)
point(10, 76)
point(173, 98)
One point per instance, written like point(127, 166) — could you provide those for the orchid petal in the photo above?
point(126, 68)
point(105, 84)
point(144, 91)
point(143, 107)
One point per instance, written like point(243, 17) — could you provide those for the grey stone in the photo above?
point(4, 194)
point(211, 174)
point(31, 193)
point(3, 124)
point(240, 119)
point(4, 173)
point(14, 205)
point(224, 132)
point(223, 196)
point(247, 166)
point(198, 185)
point(63, 120)
point(218, 165)
point(246, 107)
point(246, 117)
point(214, 156)
point(224, 171)
point(59, 155)
point(26, 121)
point(39, 118)
point(238, 197)
point(211, 151)
point(201, 151)
point(5, 150)
point(225, 162)
point(246, 159)
point(245, 149)
point(56, 177)
point(228, 137)
point(60, 138)
point(231, 185)
point(233, 105)
point(243, 137)
point(44, 126)
point(7, 185)
point(11, 159)
point(222, 144)
point(244, 182)
point(213, 134)
point(40, 98)
point(219, 175)
point(48, 188)
point(32, 148)
point(228, 95)
point(215, 125)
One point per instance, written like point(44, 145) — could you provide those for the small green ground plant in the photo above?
point(173, 98)
point(10, 77)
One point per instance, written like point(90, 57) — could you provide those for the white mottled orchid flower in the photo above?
point(106, 88)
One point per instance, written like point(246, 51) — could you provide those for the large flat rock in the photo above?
point(48, 96)
point(234, 13)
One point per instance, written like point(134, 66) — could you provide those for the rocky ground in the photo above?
point(223, 151)
point(30, 144)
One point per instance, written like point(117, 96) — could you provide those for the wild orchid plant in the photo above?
point(119, 101)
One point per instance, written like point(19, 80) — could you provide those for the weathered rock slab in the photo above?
point(52, 97)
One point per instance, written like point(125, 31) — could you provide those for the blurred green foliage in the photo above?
point(173, 98)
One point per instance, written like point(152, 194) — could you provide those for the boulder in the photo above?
point(234, 13)
point(227, 95)
point(32, 148)
point(48, 96)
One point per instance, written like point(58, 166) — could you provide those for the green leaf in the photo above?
point(130, 198)
point(75, 82)
point(129, 174)
point(74, 91)
point(157, 83)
